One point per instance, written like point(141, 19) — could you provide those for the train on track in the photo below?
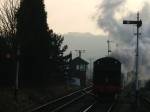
point(107, 77)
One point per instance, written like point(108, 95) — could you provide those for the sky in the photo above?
point(72, 15)
point(78, 15)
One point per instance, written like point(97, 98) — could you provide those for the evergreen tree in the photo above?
point(32, 37)
point(57, 58)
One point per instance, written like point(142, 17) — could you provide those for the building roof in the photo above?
point(79, 60)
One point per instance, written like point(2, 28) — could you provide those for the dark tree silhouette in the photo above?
point(57, 58)
point(32, 38)
point(41, 50)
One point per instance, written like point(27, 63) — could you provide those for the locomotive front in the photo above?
point(107, 77)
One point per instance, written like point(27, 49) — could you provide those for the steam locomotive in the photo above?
point(107, 77)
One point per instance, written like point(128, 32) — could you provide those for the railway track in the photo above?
point(146, 102)
point(110, 109)
point(143, 104)
point(60, 103)
point(90, 107)
point(77, 104)
point(79, 101)
point(96, 108)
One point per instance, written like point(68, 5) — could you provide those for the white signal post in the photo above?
point(139, 24)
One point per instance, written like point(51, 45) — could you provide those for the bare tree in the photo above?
point(8, 21)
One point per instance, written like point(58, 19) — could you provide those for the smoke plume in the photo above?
point(124, 34)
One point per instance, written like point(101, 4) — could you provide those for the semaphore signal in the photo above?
point(138, 22)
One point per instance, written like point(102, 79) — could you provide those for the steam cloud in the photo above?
point(124, 35)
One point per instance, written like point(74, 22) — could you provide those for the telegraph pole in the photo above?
point(109, 49)
point(17, 74)
point(90, 59)
point(80, 52)
point(139, 24)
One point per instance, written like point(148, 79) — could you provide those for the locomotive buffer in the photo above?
point(138, 23)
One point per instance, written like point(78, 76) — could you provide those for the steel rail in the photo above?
point(146, 100)
point(111, 107)
point(89, 107)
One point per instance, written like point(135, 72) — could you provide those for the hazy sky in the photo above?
point(72, 15)
point(76, 15)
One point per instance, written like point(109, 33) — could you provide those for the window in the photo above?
point(77, 67)
point(81, 67)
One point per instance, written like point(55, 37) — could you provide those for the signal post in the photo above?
point(138, 23)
